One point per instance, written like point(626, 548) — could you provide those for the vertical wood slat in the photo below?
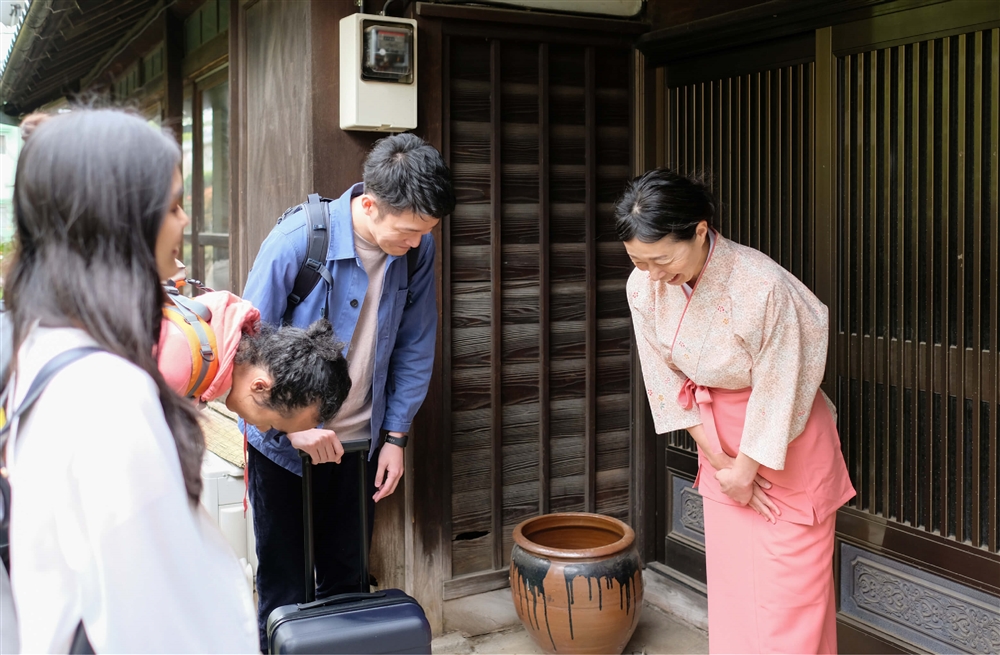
point(994, 218)
point(718, 158)
point(977, 100)
point(824, 178)
point(736, 157)
point(662, 118)
point(810, 245)
point(590, 421)
point(446, 296)
point(745, 234)
point(733, 157)
point(931, 361)
point(857, 354)
point(766, 228)
point(700, 118)
point(871, 279)
point(844, 270)
point(756, 217)
point(787, 155)
point(901, 222)
point(945, 219)
point(496, 299)
point(544, 316)
point(914, 271)
point(959, 345)
point(885, 276)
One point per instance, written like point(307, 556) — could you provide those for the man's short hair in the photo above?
point(405, 173)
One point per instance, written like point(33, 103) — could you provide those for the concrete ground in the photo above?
point(673, 620)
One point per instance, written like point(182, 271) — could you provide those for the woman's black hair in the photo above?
point(307, 366)
point(405, 173)
point(661, 203)
point(92, 189)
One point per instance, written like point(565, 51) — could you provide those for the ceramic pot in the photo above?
point(576, 580)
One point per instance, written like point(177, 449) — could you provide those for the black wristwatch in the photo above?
point(396, 441)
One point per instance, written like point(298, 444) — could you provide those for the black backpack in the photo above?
point(314, 266)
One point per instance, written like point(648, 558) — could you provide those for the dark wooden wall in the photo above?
point(287, 68)
point(276, 69)
point(536, 329)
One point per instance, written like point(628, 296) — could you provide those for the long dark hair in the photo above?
point(91, 192)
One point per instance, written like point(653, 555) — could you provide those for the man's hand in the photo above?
point(321, 445)
point(390, 469)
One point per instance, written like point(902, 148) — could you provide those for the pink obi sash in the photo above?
point(814, 482)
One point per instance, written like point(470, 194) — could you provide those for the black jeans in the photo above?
point(276, 497)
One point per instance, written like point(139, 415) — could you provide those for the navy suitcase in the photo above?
point(386, 621)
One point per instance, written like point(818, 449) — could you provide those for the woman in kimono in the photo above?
point(733, 349)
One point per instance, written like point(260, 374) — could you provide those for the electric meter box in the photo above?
point(378, 73)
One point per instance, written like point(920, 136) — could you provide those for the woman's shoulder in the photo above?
point(752, 263)
point(755, 270)
point(99, 378)
point(759, 284)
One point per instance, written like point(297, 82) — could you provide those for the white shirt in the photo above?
point(101, 526)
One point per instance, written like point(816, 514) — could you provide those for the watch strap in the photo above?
point(396, 441)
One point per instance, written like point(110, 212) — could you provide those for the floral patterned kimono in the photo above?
point(743, 354)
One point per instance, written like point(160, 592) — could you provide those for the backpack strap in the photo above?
point(53, 366)
point(80, 642)
point(412, 256)
point(313, 266)
point(193, 306)
point(201, 340)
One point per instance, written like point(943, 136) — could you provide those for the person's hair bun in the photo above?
point(31, 122)
point(319, 329)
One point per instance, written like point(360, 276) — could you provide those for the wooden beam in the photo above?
point(496, 311)
point(476, 583)
point(590, 222)
point(532, 18)
point(173, 60)
point(758, 23)
point(238, 257)
point(427, 523)
point(544, 291)
point(124, 47)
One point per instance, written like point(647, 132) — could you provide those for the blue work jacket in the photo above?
point(404, 346)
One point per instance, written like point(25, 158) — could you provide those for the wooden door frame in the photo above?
point(428, 521)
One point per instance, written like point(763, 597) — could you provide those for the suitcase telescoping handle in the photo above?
point(361, 447)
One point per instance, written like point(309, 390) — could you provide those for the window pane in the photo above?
point(216, 267)
point(187, 172)
point(187, 164)
point(215, 162)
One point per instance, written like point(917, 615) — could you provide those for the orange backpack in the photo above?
point(193, 320)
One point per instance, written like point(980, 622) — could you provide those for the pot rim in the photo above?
point(622, 544)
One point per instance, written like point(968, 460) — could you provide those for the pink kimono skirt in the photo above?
point(770, 586)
